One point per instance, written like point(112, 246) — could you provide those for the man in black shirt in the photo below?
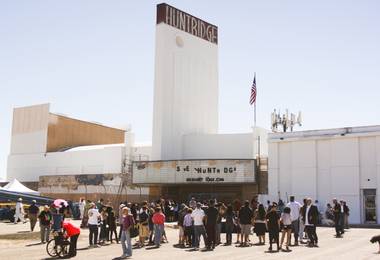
point(32, 214)
point(273, 225)
point(211, 218)
point(245, 220)
point(45, 218)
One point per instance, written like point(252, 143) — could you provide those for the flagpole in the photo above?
point(254, 105)
point(254, 114)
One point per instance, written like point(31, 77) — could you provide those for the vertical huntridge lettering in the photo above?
point(182, 21)
point(193, 26)
point(202, 30)
point(167, 18)
point(188, 23)
point(174, 17)
point(199, 28)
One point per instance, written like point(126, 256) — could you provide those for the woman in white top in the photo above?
point(286, 227)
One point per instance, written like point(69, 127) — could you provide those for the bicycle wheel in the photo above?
point(51, 248)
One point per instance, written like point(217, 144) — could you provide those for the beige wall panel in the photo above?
point(64, 132)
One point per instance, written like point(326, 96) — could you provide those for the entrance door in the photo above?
point(369, 197)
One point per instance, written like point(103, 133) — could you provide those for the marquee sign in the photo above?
point(194, 172)
point(187, 23)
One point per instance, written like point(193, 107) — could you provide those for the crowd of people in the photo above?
point(197, 221)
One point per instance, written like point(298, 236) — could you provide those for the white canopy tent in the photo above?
point(16, 186)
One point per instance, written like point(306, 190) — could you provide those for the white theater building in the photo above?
point(341, 163)
point(187, 156)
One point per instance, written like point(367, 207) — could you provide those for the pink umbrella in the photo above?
point(58, 203)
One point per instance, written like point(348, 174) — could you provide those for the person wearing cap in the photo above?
point(198, 217)
point(19, 213)
point(32, 214)
point(45, 219)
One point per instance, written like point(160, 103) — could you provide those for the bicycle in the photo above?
point(58, 246)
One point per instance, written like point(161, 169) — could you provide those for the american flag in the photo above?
point(253, 92)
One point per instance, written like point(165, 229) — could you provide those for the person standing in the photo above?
point(143, 224)
point(45, 219)
point(125, 239)
point(245, 220)
point(302, 222)
point(181, 215)
point(71, 231)
point(222, 211)
point(103, 236)
point(159, 225)
point(295, 208)
point(346, 212)
point(198, 216)
point(310, 215)
point(93, 219)
point(111, 221)
point(230, 220)
point(19, 212)
point(338, 218)
point(273, 226)
point(82, 205)
point(259, 223)
point(211, 219)
point(188, 227)
point(287, 227)
point(33, 214)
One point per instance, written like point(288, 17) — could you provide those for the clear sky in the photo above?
point(94, 60)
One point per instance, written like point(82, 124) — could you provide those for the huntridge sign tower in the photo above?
point(186, 81)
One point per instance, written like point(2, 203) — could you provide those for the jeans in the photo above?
point(158, 232)
point(198, 231)
point(301, 229)
point(295, 229)
point(229, 230)
point(93, 237)
point(45, 231)
point(126, 243)
point(217, 232)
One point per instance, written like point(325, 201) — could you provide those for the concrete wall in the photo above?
point(325, 166)
point(29, 129)
point(28, 167)
point(218, 146)
point(185, 92)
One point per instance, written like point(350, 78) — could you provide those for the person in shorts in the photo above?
point(245, 220)
point(286, 221)
point(143, 224)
